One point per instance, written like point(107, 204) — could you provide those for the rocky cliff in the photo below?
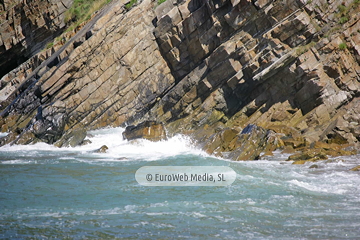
point(241, 77)
point(26, 27)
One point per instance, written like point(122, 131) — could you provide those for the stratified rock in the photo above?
point(283, 80)
point(149, 130)
point(249, 144)
point(205, 68)
point(47, 126)
point(320, 151)
point(26, 138)
point(246, 145)
point(72, 138)
point(220, 141)
point(98, 82)
point(8, 138)
point(26, 28)
point(309, 154)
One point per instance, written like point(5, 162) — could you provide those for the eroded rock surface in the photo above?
point(26, 27)
point(207, 69)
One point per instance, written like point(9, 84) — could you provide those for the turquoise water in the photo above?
point(77, 194)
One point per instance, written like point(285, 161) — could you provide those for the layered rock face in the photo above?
point(288, 66)
point(26, 27)
point(205, 68)
point(108, 75)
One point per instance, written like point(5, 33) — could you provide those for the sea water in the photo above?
point(75, 193)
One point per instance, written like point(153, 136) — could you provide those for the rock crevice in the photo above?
point(208, 69)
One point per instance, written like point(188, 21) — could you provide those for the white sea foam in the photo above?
point(119, 149)
point(325, 187)
point(3, 134)
point(27, 148)
point(138, 149)
point(19, 161)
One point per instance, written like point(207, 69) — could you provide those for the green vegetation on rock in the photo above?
point(342, 46)
point(342, 8)
point(161, 1)
point(343, 20)
point(81, 10)
point(49, 45)
point(130, 4)
point(303, 49)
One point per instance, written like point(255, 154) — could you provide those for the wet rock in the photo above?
point(49, 124)
point(245, 145)
point(314, 166)
point(86, 142)
point(102, 149)
point(150, 130)
point(249, 144)
point(335, 150)
point(310, 155)
point(26, 138)
point(357, 168)
point(334, 160)
point(220, 141)
point(8, 138)
point(299, 162)
point(273, 142)
point(72, 138)
point(288, 149)
point(77, 138)
point(321, 151)
point(203, 134)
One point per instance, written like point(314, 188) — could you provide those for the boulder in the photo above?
point(150, 130)
point(103, 149)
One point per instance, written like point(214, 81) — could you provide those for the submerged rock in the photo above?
point(149, 130)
